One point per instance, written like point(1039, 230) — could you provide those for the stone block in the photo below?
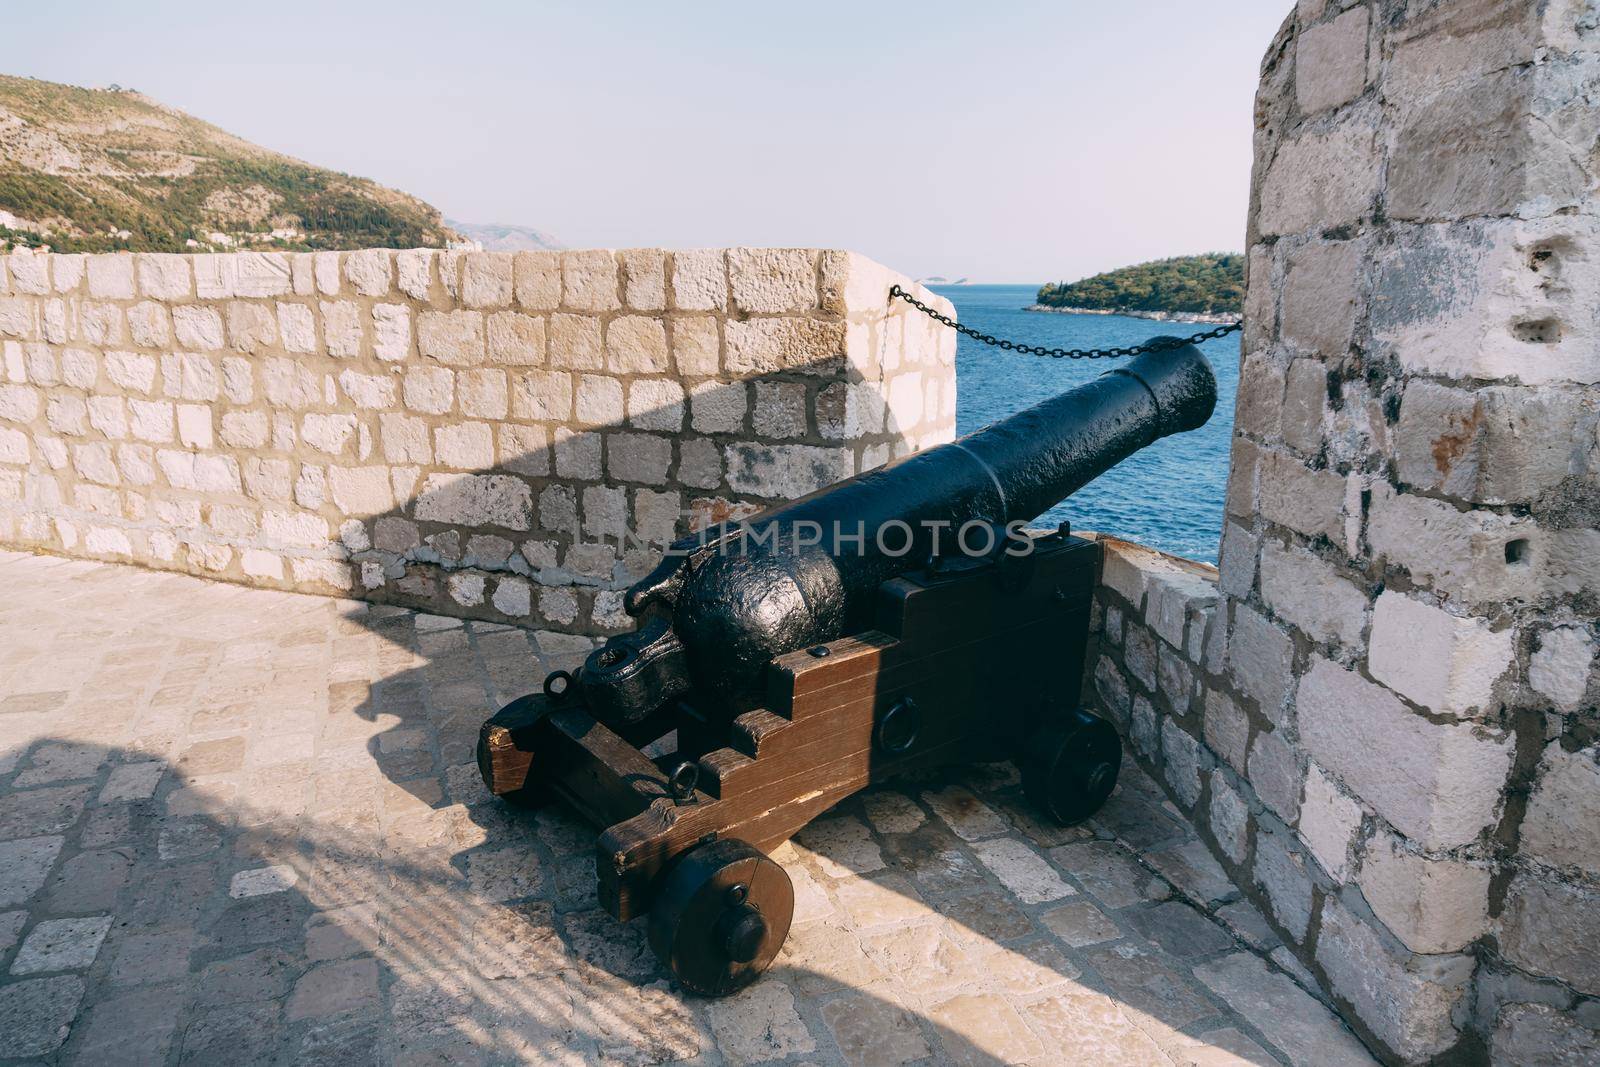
point(1280, 871)
point(577, 454)
point(644, 278)
point(454, 338)
point(1432, 904)
point(130, 370)
point(696, 345)
point(1139, 655)
point(258, 274)
point(14, 447)
point(330, 434)
point(524, 449)
point(251, 327)
point(1548, 927)
point(1443, 662)
point(109, 415)
point(150, 325)
point(764, 346)
point(1229, 818)
point(575, 342)
point(1536, 1034)
point(111, 276)
point(1303, 1029)
point(656, 404)
point(1305, 404)
point(786, 471)
point(1463, 555)
point(244, 429)
point(637, 344)
point(1328, 824)
point(513, 597)
point(197, 327)
point(1275, 774)
point(699, 280)
point(1176, 596)
point(1496, 445)
point(516, 339)
point(699, 463)
point(414, 272)
point(1320, 180)
point(1437, 783)
point(773, 279)
point(1308, 501)
point(369, 391)
point(465, 445)
point(1112, 688)
point(1227, 729)
point(67, 414)
point(1181, 762)
point(1260, 660)
point(599, 400)
point(164, 277)
point(476, 500)
point(1560, 668)
point(483, 393)
point(1407, 1001)
point(1561, 827)
point(391, 332)
point(150, 420)
point(536, 280)
point(431, 390)
point(1465, 153)
point(1331, 61)
point(194, 426)
point(1321, 289)
point(298, 328)
point(589, 280)
point(638, 457)
point(1303, 589)
point(486, 279)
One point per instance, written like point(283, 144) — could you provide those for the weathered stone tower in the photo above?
point(1385, 715)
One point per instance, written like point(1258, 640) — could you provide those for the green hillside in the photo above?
point(111, 169)
point(1210, 284)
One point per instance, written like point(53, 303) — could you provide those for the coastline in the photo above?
point(1154, 316)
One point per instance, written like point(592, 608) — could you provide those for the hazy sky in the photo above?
point(1005, 141)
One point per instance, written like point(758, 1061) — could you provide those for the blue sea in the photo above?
point(1168, 496)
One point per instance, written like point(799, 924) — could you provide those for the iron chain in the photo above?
point(1161, 345)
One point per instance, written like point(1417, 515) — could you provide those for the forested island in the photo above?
point(1205, 288)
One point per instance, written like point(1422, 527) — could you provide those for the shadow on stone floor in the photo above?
point(259, 813)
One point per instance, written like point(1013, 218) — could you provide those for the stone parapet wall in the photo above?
point(1383, 711)
point(472, 433)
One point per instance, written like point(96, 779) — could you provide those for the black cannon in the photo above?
point(900, 620)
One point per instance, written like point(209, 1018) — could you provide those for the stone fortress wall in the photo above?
point(471, 433)
point(1383, 712)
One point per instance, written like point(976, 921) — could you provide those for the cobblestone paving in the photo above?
point(240, 827)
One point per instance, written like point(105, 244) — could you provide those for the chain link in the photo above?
point(1161, 345)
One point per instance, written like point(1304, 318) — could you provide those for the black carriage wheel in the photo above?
point(1070, 766)
point(720, 916)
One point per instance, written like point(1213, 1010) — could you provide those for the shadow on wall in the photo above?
point(553, 536)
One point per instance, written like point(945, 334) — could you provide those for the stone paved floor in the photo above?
point(244, 827)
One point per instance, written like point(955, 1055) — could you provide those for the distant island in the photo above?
point(1205, 288)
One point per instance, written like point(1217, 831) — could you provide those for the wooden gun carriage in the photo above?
point(795, 671)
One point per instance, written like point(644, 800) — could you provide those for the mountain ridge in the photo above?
point(112, 169)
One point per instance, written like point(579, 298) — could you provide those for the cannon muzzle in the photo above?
point(722, 605)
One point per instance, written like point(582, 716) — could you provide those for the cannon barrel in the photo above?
point(720, 607)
